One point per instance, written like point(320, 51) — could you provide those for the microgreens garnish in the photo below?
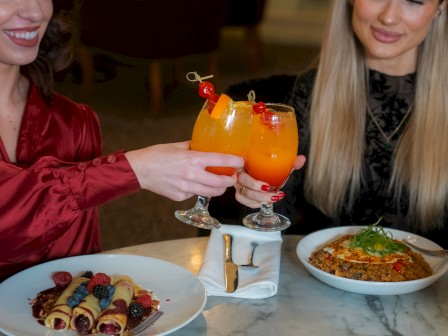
point(376, 240)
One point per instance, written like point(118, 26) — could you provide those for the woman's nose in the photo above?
point(31, 10)
point(390, 14)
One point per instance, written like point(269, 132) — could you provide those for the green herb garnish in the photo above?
point(375, 240)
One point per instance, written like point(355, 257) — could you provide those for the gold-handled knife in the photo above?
point(230, 269)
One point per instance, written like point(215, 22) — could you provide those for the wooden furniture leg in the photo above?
point(85, 59)
point(155, 86)
point(254, 48)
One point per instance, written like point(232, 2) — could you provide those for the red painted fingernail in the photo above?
point(275, 198)
point(265, 187)
point(281, 194)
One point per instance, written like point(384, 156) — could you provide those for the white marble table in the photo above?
point(303, 304)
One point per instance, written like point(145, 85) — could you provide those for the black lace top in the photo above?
point(390, 100)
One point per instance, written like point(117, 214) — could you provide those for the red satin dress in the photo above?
point(49, 197)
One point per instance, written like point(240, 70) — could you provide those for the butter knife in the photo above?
point(230, 268)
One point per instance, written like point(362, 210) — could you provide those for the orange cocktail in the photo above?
point(222, 126)
point(270, 158)
point(226, 132)
point(273, 148)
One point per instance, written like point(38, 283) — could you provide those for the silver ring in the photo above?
point(242, 191)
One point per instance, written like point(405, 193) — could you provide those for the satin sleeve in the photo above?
point(40, 203)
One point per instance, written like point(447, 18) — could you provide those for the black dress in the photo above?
point(389, 100)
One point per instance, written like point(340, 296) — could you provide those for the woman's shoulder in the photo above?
point(62, 108)
point(57, 103)
point(300, 94)
point(305, 81)
point(65, 105)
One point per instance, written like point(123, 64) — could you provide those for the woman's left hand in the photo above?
point(251, 192)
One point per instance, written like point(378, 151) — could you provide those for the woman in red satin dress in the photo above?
point(52, 174)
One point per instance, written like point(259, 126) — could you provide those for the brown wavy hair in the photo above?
point(56, 49)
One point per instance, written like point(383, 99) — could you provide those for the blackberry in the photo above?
point(88, 274)
point(135, 309)
point(101, 291)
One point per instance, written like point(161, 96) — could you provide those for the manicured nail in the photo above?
point(265, 187)
point(281, 194)
point(275, 198)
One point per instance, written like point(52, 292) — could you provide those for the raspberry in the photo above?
point(145, 300)
point(62, 279)
point(90, 286)
point(135, 309)
point(101, 279)
point(98, 279)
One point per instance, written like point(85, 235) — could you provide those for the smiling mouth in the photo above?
point(22, 35)
point(385, 36)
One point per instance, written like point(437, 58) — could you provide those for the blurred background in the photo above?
point(130, 68)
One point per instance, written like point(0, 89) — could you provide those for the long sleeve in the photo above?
point(44, 201)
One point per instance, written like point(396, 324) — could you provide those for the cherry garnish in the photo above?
point(266, 116)
point(259, 107)
point(214, 98)
point(206, 90)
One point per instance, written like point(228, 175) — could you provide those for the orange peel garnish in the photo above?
point(221, 105)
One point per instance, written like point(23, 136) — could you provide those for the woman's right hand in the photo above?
point(174, 171)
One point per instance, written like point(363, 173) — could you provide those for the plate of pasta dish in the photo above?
point(370, 260)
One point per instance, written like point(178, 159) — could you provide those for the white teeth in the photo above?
point(25, 36)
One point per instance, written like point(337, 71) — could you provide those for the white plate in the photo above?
point(318, 239)
point(182, 295)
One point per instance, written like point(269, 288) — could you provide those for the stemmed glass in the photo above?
point(270, 157)
point(222, 127)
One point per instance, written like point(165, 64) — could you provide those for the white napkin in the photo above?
point(258, 283)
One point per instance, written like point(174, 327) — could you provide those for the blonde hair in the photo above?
point(337, 120)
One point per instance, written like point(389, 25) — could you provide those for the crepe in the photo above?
point(60, 315)
point(87, 310)
point(114, 318)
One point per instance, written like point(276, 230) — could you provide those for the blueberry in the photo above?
point(72, 302)
point(104, 303)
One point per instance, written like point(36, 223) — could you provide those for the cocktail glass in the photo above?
point(270, 158)
point(223, 127)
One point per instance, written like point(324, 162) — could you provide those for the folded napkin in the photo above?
point(258, 283)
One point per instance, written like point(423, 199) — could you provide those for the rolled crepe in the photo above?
point(60, 315)
point(87, 310)
point(114, 318)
